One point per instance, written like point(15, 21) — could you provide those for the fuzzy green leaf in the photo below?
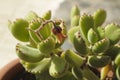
point(118, 72)
point(79, 44)
point(88, 74)
point(86, 22)
point(117, 60)
point(75, 21)
point(73, 58)
point(101, 46)
point(100, 32)
point(44, 32)
point(30, 16)
point(92, 36)
point(19, 30)
point(77, 73)
point(71, 33)
point(46, 46)
point(75, 11)
point(112, 32)
point(28, 53)
point(38, 67)
point(59, 67)
point(113, 51)
point(47, 15)
point(99, 17)
point(98, 61)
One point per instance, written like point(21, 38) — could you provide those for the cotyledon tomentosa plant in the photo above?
point(97, 51)
point(99, 45)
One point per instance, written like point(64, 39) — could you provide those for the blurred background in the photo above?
point(11, 9)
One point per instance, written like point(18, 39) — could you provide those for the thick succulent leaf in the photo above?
point(75, 11)
point(112, 32)
point(101, 46)
point(77, 73)
point(99, 17)
point(92, 36)
point(75, 21)
point(98, 61)
point(118, 72)
point(47, 15)
point(100, 32)
point(59, 67)
point(73, 58)
point(86, 22)
point(46, 46)
point(28, 54)
point(64, 28)
point(38, 67)
point(88, 74)
point(113, 51)
point(34, 24)
point(30, 16)
point(44, 32)
point(32, 43)
point(79, 44)
point(71, 33)
point(117, 60)
point(18, 29)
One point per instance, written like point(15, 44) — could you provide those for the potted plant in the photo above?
point(96, 54)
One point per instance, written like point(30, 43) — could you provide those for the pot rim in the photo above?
point(10, 70)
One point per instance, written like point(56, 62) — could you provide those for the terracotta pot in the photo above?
point(9, 71)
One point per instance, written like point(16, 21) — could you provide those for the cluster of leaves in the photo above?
point(97, 47)
point(98, 44)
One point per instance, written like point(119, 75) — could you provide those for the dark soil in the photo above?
point(25, 76)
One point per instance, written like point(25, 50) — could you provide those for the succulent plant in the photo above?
point(96, 43)
point(96, 47)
